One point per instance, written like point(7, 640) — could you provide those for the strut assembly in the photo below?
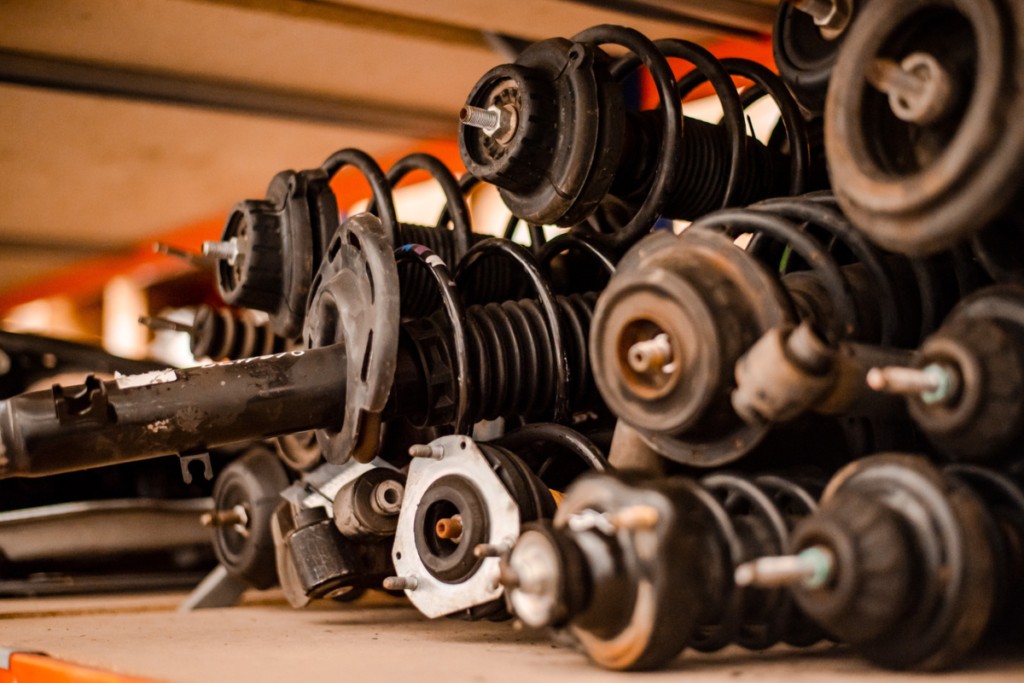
point(435, 411)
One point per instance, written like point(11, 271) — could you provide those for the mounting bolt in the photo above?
point(222, 251)
point(449, 528)
point(220, 518)
point(492, 549)
point(812, 568)
point(651, 355)
point(155, 323)
point(497, 122)
point(831, 16)
point(932, 384)
point(401, 583)
point(426, 450)
point(920, 91)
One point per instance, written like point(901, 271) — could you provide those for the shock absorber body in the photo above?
point(169, 412)
point(909, 563)
point(636, 570)
point(552, 132)
point(681, 311)
point(363, 366)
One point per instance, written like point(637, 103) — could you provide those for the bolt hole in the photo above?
point(573, 55)
point(398, 556)
point(390, 496)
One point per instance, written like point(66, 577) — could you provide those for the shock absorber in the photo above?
point(465, 503)
point(806, 41)
point(636, 570)
point(965, 385)
point(461, 364)
point(223, 334)
point(362, 366)
point(270, 249)
point(922, 139)
point(552, 132)
point(907, 562)
point(681, 311)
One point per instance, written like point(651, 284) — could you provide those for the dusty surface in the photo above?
point(379, 639)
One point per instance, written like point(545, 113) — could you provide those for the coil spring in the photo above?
point(752, 514)
point(225, 334)
point(872, 296)
point(449, 245)
point(686, 171)
point(525, 358)
point(722, 166)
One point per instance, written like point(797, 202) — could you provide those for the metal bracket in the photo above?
point(187, 460)
point(218, 589)
point(88, 402)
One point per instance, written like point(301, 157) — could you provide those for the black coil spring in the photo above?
point(873, 296)
point(706, 176)
point(752, 515)
point(226, 334)
point(518, 358)
point(699, 167)
point(449, 245)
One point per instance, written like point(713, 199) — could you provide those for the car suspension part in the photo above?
point(635, 570)
point(245, 495)
point(223, 334)
point(806, 42)
point(465, 503)
point(922, 136)
point(552, 132)
point(965, 386)
point(526, 358)
point(907, 562)
point(681, 311)
point(271, 249)
point(334, 540)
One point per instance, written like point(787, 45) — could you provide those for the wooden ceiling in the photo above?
point(83, 173)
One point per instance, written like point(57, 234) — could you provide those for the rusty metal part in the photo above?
point(922, 187)
point(634, 570)
point(169, 412)
point(701, 302)
point(965, 388)
point(904, 561)
point(450, 528)
point(789, 372)
point(664, 292)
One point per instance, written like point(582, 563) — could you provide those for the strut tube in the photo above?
point(169, 412)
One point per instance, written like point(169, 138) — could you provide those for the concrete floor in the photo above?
point(377, 638)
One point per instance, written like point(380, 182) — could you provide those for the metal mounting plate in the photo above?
point(462, 458)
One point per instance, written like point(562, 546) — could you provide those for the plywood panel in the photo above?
point(89, 169)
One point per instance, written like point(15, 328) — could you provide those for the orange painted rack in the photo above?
point(18, 666)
